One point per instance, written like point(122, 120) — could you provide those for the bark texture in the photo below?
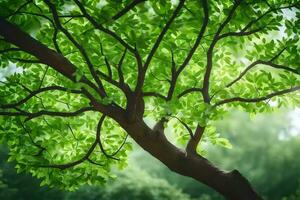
point(232, 185)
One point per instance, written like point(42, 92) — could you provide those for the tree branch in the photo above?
point(14, 35)
point(41, 149)
point(58, 114)
point(244, 32)
point(9, 50)
point(98, 139)
point(185, 126)
point(72, 164)
point(127, 8)
point(119, 67)
point(264, 14)
point(141, 74)
point(194, 141)
point(58, 62)
point(176, 74)
point(162, 34)
point(93, 162)
point(259, 99)
point(101, 28)
point(108, 66)
point(199, 37)
point(34, 93)
point(154, 94)
point(20, 8)
point(189, 90)
point(268, 63)
point(207, 74)
point(240, 33)
point(77, 45)
point(112, 34)
point(120, 147)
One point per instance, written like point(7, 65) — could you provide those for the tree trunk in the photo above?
point(232, 185)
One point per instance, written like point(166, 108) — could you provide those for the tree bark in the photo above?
point(232, 185)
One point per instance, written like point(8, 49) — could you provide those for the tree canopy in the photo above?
point(93, 72)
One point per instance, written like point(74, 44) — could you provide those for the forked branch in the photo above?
point(194, 141)
point(102, 28)
point(74, 163)
point(98, 140)
point(176, 73)
point(77, 45)
point(209, 54)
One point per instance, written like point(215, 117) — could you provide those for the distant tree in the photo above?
point(22, 186)
point(128, 187)
point(294, 196)
point(93, 71)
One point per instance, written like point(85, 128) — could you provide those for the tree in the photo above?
point(22, 186)
point(141, 186)
point(95, 71)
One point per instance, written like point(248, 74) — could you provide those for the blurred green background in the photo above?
point(265, 149)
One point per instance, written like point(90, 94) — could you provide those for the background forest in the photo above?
point(266, 150)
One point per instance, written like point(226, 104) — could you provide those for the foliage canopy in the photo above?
point(187, 62)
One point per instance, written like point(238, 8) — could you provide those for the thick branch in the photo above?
point(159, 127)
point(232, 185)
point(14, 35)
